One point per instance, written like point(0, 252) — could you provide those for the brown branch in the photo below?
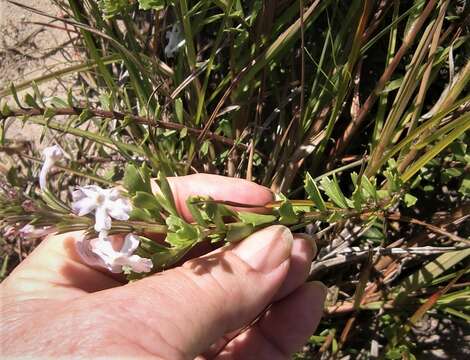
point(121, 116)
point(433, 228)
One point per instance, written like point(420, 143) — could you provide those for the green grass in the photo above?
point(378, 117)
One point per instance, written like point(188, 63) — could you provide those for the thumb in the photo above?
point(192, 306)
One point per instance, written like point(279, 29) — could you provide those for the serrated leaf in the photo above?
point(287, 214)
point(140, 215)
point(134, 180)
point(369, 187)
point(149, 246)
point(181, 234)
point(357, 198)
point(334, 192)
point(165, 196)
point(145, 200)
point(111, 8)
point(255, 219)
point(196, 211)
point(238, 231)
point(152, 4)
point(313, 193)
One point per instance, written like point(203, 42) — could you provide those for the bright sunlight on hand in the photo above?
point(53, 305)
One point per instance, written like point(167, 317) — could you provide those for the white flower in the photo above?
point(106, 203)
point(100, 252)
point(51, 155)
point(175, 41)
point(31, 232)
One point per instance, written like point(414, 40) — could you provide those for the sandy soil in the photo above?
point(29, 50)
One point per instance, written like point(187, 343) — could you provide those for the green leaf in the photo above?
point(152, 4)
point(29, 100)
point(166, 257)
point(179, 111)
point(58, 102)
point(85, 115)
point(181, 234)
point(196, 210)
point(149, 246)
point(313, 193)
point(111, 8)
point(238, 231)
point(54, 203)
point(5, 111)
point(255, 219)
point(49, 113)
point(374, 233)
point(205, 147)
point(145, 200)
point(410, 200)
point(15, 95)
point(370, 187)
point(165, 196)
point(334, 192)
point(287, 214)
point(465, 186)
point(453, 172)
point(357, 198)
point(425, 275)
point(140, 215)
point(136, 179)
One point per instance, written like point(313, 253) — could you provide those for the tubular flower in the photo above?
point(175, 41)
point(51, 155)
point(31, 232)
point(106, 203)
point(100, 252)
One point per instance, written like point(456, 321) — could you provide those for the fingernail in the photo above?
point(266, 249)
point(309, 239)
point(321, 289)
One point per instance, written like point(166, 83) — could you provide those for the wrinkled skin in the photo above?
point(55, 306)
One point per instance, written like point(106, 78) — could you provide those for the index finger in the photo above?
point(218, 188)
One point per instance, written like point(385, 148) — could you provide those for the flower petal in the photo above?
point(83, 247)
point(91, 190)
point(131, 242)
point(139, 264)
point(83, 206)
point(136, 263)
point(102, 247)
point(55, 153)
point(102, 219)
point(46, 167)
point(78, 194)
point(119, 209)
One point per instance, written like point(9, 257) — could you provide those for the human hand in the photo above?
point(54, 305)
